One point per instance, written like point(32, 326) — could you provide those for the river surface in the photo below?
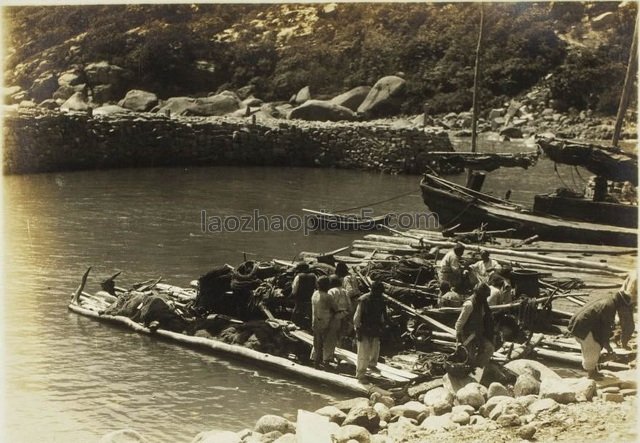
point(69, 378)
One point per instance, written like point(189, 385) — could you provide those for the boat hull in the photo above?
point(454, 207)
point(586, 210)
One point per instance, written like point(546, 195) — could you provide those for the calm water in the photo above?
point(70, 379)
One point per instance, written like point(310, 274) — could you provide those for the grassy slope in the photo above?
point(277, 49)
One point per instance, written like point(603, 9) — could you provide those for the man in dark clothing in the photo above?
point(474, 327)
point(592, 326)
point(369, 321)
point(302, 288)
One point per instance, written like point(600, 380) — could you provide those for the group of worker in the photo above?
point(474, 327)
point(333, 308)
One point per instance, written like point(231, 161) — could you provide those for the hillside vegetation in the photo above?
point(577, 50)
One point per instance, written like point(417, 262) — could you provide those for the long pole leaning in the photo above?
point(632, 67)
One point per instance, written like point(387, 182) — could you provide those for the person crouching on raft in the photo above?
point(369, 321)
point(592, 325)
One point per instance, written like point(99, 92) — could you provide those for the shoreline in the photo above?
point(540, 406)
point(37, 140)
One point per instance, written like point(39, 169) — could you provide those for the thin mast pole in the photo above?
point(474, 122)
point(628, 82)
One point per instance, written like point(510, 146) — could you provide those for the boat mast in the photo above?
point(628, 82)
point(474, 121)
point(476, 73)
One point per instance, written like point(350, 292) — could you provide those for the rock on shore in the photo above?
point(593, 412)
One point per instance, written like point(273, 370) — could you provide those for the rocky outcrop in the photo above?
point(384, 98)
point(318, 110)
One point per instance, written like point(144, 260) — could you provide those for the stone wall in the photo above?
point(43, 142)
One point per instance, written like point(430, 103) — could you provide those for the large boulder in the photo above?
point(440, 399)
point(385, 98)
point(123, 436)
point(496, 388)
point(411, 409)
point(269, 423)
point(568, 390)
point(364, 416)
point(103, 73)
point(472, 395)
point(77, 102)
point(175, 105)
point(319, 110)
point(140, 101)
point(302, 96)
point(353, 98)
point(524, 366)
point(43, 87)
point(526, 384)
point(219, 104)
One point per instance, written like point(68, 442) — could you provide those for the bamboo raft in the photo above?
point(92, 305)
point(599, 269)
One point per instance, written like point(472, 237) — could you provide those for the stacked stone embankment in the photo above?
point(47, 141)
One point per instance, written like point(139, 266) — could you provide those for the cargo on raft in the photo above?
point(245, 313)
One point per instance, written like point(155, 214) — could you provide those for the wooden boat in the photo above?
point(606, 162)
point(338, 222)
point(92, 306)
point(454, 203)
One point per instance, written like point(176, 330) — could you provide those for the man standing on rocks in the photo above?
point(474, 327)
point(369, 321)
point(592, 325)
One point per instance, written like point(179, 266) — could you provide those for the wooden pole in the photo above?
point(476, 73)
point(632, 67)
